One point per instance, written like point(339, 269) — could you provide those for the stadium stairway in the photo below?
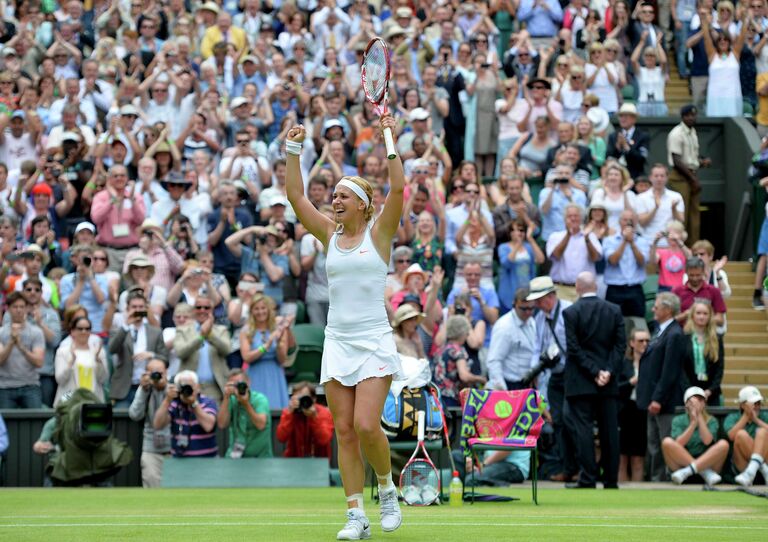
point(746, 342)
point(676, 90)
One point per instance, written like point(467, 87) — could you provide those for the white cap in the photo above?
point(332, 123)
point(418, 114)
point(129, 109)
point(237, 102)
point(693, 390)
point(85, 226)
point(749, 394)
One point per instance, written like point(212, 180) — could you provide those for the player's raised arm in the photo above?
point(386, 225)
point(316, 223)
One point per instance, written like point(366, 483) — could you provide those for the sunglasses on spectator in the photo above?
point(457, 187)
point(83, 328)
point(203, 307)
point(538, 87)
point(243, 141)
point(481, 41)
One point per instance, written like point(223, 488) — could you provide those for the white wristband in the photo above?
point(292, 147)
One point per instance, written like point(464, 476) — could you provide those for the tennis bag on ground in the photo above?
point(399, 419)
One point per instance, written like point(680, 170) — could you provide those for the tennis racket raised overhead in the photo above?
point(419, 480)
point(375, 81)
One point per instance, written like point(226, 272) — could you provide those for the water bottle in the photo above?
point(456, 497)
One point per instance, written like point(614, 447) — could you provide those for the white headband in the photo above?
point(354, 187)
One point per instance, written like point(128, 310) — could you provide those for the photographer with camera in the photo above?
point(306, 427)
point(167, 264)
point(191, 415)
point(156, 445)
point(133, 344)
point(246, 413)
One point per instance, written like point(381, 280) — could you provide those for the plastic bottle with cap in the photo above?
point(456, 491)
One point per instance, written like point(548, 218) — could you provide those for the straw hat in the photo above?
point(404, 312)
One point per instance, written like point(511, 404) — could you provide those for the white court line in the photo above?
point(416, 523)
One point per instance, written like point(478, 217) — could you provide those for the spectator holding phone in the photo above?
point(156, 444)
point(86, 288)
point(166, 262)
point(191, 416)
point(246, 413)
point(306, 427)
point(133, 344)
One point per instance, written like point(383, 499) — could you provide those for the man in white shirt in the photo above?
point(572, 251)
point(72, 97)
point(513, 345)
point(19, 138)
point(659, 205)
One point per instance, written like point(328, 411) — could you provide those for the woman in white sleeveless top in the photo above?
point(651, 78)
point(359, 353)
point(724, 85)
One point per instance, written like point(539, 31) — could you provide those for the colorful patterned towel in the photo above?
point(503, 418)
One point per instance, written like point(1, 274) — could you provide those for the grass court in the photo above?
point(272, 515)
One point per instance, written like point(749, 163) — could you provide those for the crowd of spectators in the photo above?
point(146, 238)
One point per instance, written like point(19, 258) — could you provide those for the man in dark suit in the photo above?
point(594, 333)
point(133, 344)
point(629, 145)
point(643, 29)
point(660, 380)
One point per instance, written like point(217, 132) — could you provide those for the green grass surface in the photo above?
point(316, 514)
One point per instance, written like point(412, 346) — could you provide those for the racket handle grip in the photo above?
point(389, 142)
point(421, 415)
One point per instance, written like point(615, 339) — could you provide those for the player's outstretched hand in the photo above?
point(297, 133)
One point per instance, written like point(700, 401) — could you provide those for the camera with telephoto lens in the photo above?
point(242, 388)
point(563, 180)
point(459, 309)
point(87, 261)
point(156, 376)
point(185, 390)
point(305, 403)
point(547, 360)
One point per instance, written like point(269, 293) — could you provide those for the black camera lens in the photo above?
point(459, 310)
point(562, 180)
point(305, 402)
point(242, 388)
point(186, 390)
point(87, 261)
point(155, 376)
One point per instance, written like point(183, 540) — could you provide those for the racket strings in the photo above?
point(420, 474)
point(375, 66)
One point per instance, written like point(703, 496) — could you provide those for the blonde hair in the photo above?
point(270, 303)
point(711, 342)
point(368, 189)
point(679, 227)
point(704, 245)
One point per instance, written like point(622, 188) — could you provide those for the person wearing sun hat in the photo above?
point(748, 431)
point(406, 324)
point(693, 448)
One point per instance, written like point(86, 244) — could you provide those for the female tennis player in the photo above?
point(359, 353)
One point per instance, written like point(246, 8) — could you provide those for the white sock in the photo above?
point(755, 462)
point(385, 482)
point(357, 498)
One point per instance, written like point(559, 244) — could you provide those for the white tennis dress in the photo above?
point(358, 338)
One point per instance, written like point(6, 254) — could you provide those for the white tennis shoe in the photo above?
point(412, 495)
point(429, 495)
point(357, 528)
point(391, 518)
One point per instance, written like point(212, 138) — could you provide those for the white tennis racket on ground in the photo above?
point(374, 76)
point(419, 480)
